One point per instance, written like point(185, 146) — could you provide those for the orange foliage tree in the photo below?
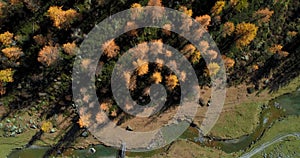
point(227, 29)
point(6, 38)
point(188, 12)
point(70, 48)
point(171, 81)
point(204, 20)
point(156, 77)
point(48, 55)
point(263, 15)
point(245, 33)
point(13, 53)
point(110, 48)
point(61, 18)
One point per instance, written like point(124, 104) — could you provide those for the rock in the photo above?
point(128, 128)
point(33, 126)
point(12, 134)
point(85, 134)
point(92, 150)
point(52, 130)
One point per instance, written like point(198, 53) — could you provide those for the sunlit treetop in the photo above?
point(156, 77)
point(227, 29)
point(48, 55)
point(6, 38)
point(218, 7)
point(61, 18)
point(204, 20)
point(228, 62)
point(263, 15)
point(136, 5)
point(13, 53)
point(184, 9)
point(70, 48)
point(154, 3)
point(213, 69)
point(171, 81)
point(110, 48)
point(245, 33)
point(6, 75)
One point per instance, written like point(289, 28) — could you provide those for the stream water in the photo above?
point(282, 106)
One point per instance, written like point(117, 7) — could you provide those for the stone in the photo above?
point(128, 128)
point(52, 130)
point(85, 134)
point(92, 150)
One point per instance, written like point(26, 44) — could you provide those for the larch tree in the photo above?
point(188, 12)
point(62, 18)
point(70, 48)
point(6, 38)
point(245, 33)
point(228, 29)
point(204, 20)
point(263, 15)
point(218, 7)
point(213, 68)
point(171, 81)
point(156, 77)
point(6, 75)
point(12, 53)
point(110, 48)
point(48, 55)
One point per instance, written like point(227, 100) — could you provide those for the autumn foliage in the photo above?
point(70, 48)
point(48, 55)
point(61, 18)
point(13, 53)
point(245, 33)
point(6, 38)
point(110, 49)
point(171, 81)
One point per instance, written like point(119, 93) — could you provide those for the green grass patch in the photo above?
point(242, 120)
point(7, 144)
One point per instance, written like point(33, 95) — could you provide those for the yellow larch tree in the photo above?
point(46, 126)
point(218, 7)
point(142, 67)
point(62, 18)
point(171, 81)
point(6, 75)
point(6, 38)
point(188, 12)
point(213, 68)
point(156, 77)
point(245, 33)
point(12, 53)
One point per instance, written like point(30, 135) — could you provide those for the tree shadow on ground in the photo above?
point(66, 141)
point(282, 70)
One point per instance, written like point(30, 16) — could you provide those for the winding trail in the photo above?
point(265, 145)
